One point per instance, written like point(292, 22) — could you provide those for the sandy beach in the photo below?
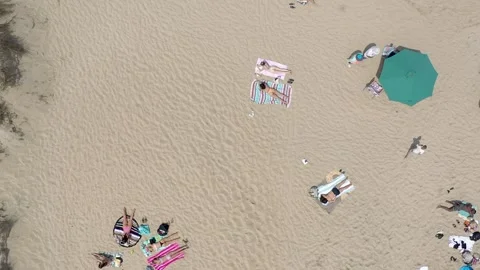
point(146, 105)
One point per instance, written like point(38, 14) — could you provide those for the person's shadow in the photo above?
point(413, 145)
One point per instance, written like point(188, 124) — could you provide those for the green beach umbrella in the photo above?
point(408, 77)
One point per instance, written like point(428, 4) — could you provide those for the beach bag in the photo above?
point(475, 236)
point(144, 229)
point(163, 229)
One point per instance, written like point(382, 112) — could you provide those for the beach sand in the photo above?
point(146, 106)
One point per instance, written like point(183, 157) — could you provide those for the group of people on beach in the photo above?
point(464, 244)
point(272, 92)
point(153, 246)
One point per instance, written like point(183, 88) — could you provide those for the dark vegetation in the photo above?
point(6, 225)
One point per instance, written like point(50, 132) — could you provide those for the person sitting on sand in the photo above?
point(264, 65)
point(274, 93)
point(155, 246)
point(471, 225)
point(460, 206)
point(105, 260)
point(419, 149)
point(168, 256)
point(470, 258)
point(127, 225)
point(332, 195)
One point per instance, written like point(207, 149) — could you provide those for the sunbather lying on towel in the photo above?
point(458, 206)
point(264, 65)
point(155, 246)
point(169, 255)
point(274, 93)
point(127, 225)
point(332, 195)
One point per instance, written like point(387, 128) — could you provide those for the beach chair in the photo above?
point(374, 87)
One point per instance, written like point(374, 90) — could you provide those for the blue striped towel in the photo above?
point(261, 97)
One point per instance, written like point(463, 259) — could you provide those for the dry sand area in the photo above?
point(148, 105)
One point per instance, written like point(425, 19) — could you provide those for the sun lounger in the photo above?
point(261, 97)
point(170, 248)
point(374, 87)
point(134, 233)
point(280, 75)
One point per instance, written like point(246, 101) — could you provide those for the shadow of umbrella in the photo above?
point(400, 48)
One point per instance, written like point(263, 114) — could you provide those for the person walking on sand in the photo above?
point(127, 225)
point(458, 206)
point(264, 65)
point(274, 93)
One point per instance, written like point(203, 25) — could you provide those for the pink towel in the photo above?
point(168, 249)
point(164, 265)
point(280, 75)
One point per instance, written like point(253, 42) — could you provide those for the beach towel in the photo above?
point(461, 243)
point(261, 97)
point(134, 233)
point(280, 75)
point(348, 190)
point(164, 252)
point(337, 178)
point(154, 239)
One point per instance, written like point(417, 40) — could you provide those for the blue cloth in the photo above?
point(260, 97)
point(466, 267)
point(144, 229)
